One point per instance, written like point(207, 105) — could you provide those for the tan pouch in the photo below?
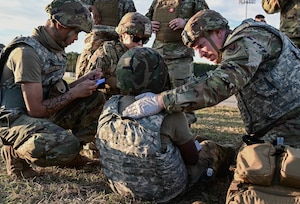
point(256, 164)
point(255, 194)
point(290, 168)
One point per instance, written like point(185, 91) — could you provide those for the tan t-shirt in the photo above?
point(174, 128)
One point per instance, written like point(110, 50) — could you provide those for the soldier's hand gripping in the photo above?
point(85, 88)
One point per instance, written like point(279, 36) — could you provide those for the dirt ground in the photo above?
point(214, 193)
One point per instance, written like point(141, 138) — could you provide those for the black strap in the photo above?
point(249, 140)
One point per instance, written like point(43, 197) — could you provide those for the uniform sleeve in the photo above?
point(128, 7)
point(240, 61)
point(200, 5)
point(105, 58)
point(100, 60)
point(176, 128)
point(25, 64)
point(196, 6)
point(150, 12)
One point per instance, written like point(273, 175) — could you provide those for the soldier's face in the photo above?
point(68, 35)
point(205, 49)
point(127, 40)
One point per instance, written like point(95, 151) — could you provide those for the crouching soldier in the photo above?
point(43, 120)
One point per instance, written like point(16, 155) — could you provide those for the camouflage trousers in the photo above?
point(57, 140)
point(180, 71)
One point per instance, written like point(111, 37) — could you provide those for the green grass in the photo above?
point(88, 184)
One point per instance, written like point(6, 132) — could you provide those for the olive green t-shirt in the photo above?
point(25, 64)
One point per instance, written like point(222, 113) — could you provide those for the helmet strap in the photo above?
point(213, 45)
point(70, 34)
point(58, 39)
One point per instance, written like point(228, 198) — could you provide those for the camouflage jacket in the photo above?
point(260, 65)
point(289, 15)
point(106, 57)
point(133, 148)
point(53, 67)
point(108, 8)
point(172, 49)
point(187, 8)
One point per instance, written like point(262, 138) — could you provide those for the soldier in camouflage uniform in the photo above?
point(258, 63)
point(44, 120)
point(133, 30)
point(107, 14)
point(139, 155)
point(289, 16)
point(168, 20)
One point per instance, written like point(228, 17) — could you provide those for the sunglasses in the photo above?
point(137, 39)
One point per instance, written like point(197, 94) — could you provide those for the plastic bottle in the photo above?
point(208, 175)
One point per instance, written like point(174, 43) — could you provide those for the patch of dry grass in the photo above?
point(88, 185)
point(219, 123)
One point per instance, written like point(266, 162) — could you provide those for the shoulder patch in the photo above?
point(232, 48)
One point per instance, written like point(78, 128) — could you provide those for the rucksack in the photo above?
point(265, 174)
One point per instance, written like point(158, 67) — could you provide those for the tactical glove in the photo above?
point(146, 104)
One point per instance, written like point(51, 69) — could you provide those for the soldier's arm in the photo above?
point(38, 107)
point(128, 6)
point(175, 126)
point(89, 4)
point(28, 72)
point(236, 69)
point(200, 5)
point(240, 61)
point(150, 12)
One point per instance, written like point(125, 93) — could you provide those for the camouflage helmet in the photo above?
point(70, 13)
point(141, 69)
point(135, 23)
point(199, 25)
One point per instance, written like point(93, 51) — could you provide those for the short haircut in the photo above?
point(259, 16)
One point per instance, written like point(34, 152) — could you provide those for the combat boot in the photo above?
point(220, 156)
point(89, 155)
point(15, 166)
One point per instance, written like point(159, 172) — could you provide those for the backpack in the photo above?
point(242, 193)
point(265, 174)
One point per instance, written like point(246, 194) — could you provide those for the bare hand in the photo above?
point(96, 15)
point(84, 89)
point(155, 26)
point(177, 23)
point(94, 74)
